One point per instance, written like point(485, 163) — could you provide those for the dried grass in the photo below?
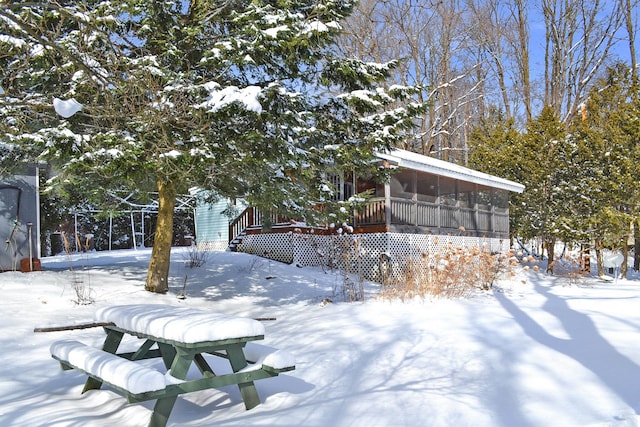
point(454, 272)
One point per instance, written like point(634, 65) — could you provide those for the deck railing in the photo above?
point(246, 219)
point(371, 213)
point(434, 215)
point(252, 217)
point(403, 212)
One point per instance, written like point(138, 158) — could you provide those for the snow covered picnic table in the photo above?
point(180, 336)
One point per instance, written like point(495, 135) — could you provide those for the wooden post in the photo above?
point(75, 230)
point(387, 206)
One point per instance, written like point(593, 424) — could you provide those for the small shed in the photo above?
point(20, 220)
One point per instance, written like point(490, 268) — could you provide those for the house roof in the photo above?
point(415, 161)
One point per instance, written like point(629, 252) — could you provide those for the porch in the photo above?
point(426, 206)
point(391, 215)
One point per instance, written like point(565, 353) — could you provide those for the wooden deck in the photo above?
point(398, 215)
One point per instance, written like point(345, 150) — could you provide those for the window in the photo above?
point(335, 185)
point(347, 185)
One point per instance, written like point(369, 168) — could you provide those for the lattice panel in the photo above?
point(276, 246)
point(371, 255)
point(220, 246)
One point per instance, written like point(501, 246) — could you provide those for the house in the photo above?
point(212, 224)
point(20, 221)
point(427, 204)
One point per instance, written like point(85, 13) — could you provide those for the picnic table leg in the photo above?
point(168, 354)
point(111, 343)
point(142, 351)
point(248, 389)
point(203, 366)
point(163, 406)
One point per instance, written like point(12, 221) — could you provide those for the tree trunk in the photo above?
point(550, 243)
point(158, 273)
point(625, 256)
point(599, 246)
point(523, 55)
point(628, 12)
point(636, 245)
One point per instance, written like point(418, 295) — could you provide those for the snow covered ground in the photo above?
point(535, 351)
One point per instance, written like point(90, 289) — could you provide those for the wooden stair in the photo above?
point(233, 244)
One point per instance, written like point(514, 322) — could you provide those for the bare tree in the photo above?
point(472, 54)
point(520, 45)
point(578, 38)
point(431, 41)
point(490, 36)
point(628, 7)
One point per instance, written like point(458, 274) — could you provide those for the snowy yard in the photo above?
point(535, 351)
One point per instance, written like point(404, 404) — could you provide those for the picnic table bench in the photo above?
point(181, 337)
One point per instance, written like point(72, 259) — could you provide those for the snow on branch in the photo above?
point(66, 108)
point(221, 97)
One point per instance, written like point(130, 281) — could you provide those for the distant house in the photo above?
point(19, 220)
point(428, 203)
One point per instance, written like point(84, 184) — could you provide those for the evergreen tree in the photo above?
point(533, 159)
point(242, 97)
point(606, 162)
point(494, 150)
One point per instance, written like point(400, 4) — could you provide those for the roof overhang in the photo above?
point(415, 161)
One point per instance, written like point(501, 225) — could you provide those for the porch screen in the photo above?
point(427, 187)
point(501, 211)
point(369, 184)
point(484, 198)
point(466, 194)
point(402, 184)
point(447, 191)
point(501, 201)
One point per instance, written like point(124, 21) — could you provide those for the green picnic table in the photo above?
point(181, 337)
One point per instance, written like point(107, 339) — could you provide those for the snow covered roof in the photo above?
point(415, 161)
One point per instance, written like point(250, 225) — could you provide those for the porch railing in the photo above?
point(427, 214)
point(403, 212)
point(252, 217)
point(242, 222)
point(371, 213)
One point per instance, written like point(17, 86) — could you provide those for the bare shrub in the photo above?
point(195, 257)
point(345, 255)
point(568, 268)
point(255, 263)
point(83, 292)
point(341, 253)
point(81, 288)
point(454, 272)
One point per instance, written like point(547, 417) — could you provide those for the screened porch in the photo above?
point(420, 202)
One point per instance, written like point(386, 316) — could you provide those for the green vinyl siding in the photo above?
point(212, 223)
